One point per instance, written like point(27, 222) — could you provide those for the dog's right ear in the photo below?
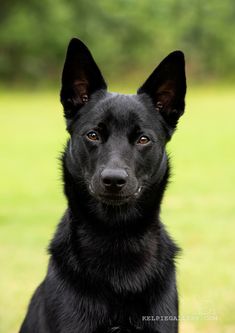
point(81, 77)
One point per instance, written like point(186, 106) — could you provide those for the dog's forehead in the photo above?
point(122, 110)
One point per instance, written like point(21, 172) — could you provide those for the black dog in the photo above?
point(112, 262)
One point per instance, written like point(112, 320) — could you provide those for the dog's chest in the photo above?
point(126, 263)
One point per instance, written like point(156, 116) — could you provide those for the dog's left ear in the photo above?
point(81, 77)
point(166, 86)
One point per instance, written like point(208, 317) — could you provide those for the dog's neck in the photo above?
point(89, 239)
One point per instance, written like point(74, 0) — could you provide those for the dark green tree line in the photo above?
point(124, 35)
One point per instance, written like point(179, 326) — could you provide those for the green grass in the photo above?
point(198, 208)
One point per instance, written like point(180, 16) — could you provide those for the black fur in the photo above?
point(112, 261)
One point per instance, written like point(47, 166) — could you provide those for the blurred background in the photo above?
point(128, 39)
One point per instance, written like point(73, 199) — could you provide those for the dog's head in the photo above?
point(117, 142)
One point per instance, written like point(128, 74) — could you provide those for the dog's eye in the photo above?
point(93, 136)
point(143, 140)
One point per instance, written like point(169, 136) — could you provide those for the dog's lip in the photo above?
point(115, 198)
point(139, 189)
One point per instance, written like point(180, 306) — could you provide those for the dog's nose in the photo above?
point(114, 179)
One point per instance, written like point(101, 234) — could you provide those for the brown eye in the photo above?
point(143, 140)
point(93, 136)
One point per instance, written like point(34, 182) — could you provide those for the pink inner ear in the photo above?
point(81, 90)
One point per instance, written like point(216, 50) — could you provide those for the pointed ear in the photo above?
point(81, 77)
point(166, 86)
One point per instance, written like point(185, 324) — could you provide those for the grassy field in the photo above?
point(198, 210)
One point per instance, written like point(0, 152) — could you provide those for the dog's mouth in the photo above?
point(114, 199)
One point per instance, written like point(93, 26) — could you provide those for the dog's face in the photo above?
point(117, 144)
